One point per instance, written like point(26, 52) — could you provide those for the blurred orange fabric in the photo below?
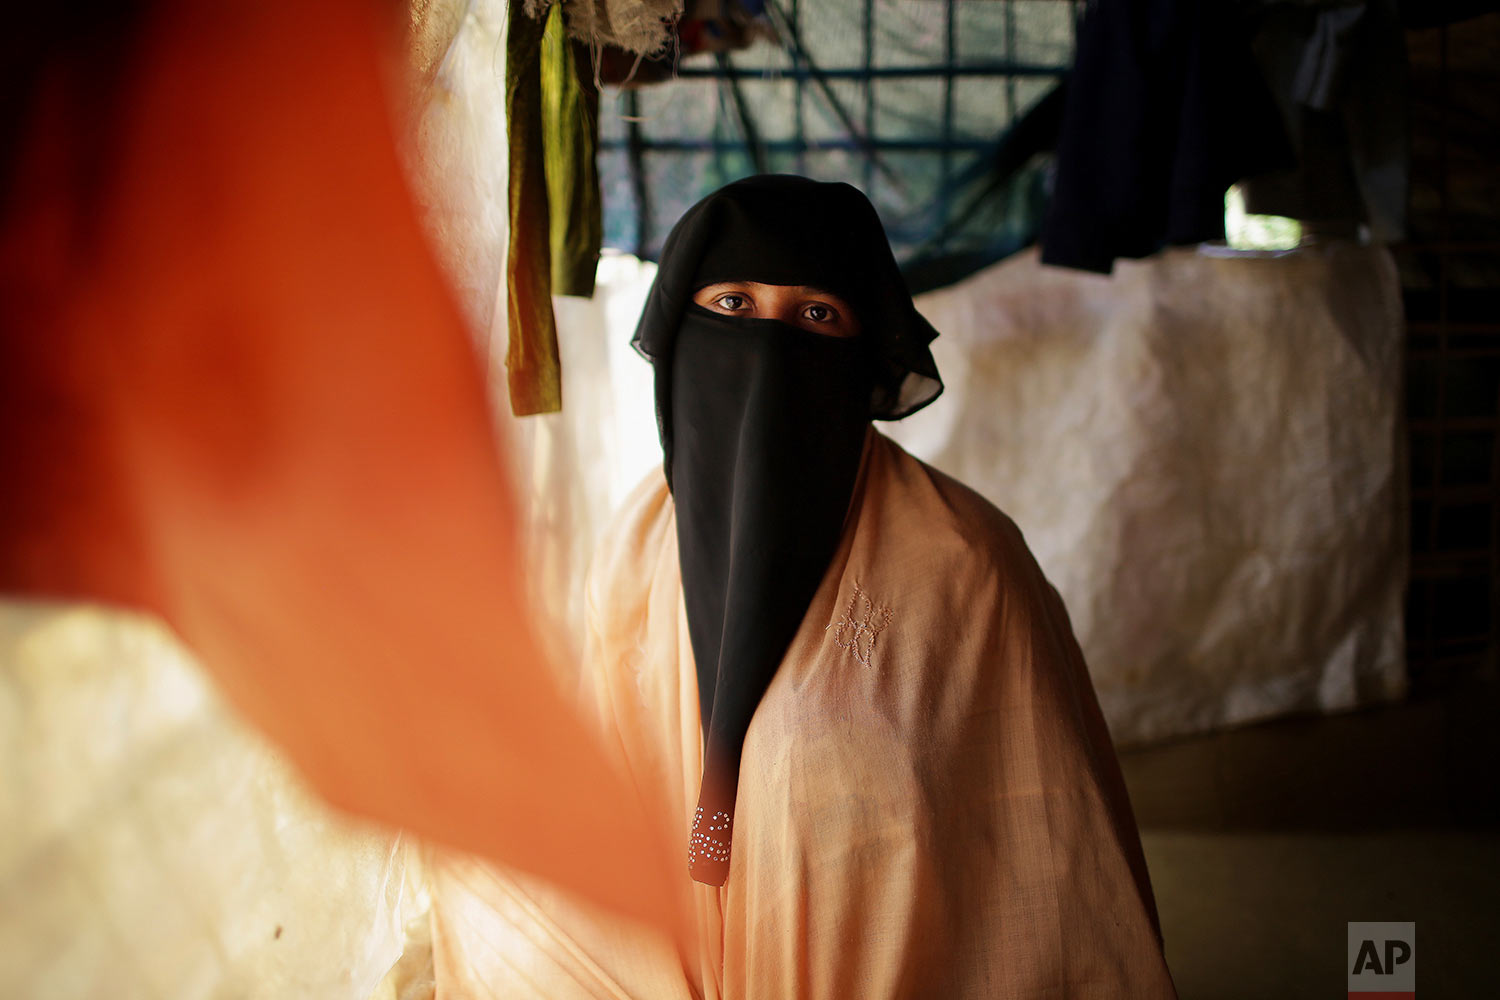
point(237, 392)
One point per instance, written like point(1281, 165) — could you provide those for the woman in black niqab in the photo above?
point(763, 426)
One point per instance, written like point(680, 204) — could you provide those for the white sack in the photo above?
point(1203, 452)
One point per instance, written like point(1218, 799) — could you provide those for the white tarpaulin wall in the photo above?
point(151, 846)
point(1202, 451)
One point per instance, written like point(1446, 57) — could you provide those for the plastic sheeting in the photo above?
point(575, 467)
point(1202, 451)
point(151, 845)
point(1203, 454)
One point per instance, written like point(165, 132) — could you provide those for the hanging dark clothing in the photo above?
point(1166, 109)
point(1339, 75)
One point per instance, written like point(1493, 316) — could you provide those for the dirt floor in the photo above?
point(1265, 841)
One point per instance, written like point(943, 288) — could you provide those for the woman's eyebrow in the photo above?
point(808, 291)
point(822, 293)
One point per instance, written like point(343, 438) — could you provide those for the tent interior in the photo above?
point(1261, 466)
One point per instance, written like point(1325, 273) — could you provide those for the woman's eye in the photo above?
point(819, 313)
point(733, 303)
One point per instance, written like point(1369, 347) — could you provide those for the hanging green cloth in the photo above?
point(570, 120)
point(555, 207)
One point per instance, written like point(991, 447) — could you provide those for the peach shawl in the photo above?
point(930, 804)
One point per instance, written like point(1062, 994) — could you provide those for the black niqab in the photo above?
point(763, 426)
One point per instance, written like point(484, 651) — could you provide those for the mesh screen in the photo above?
point(906, 99)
